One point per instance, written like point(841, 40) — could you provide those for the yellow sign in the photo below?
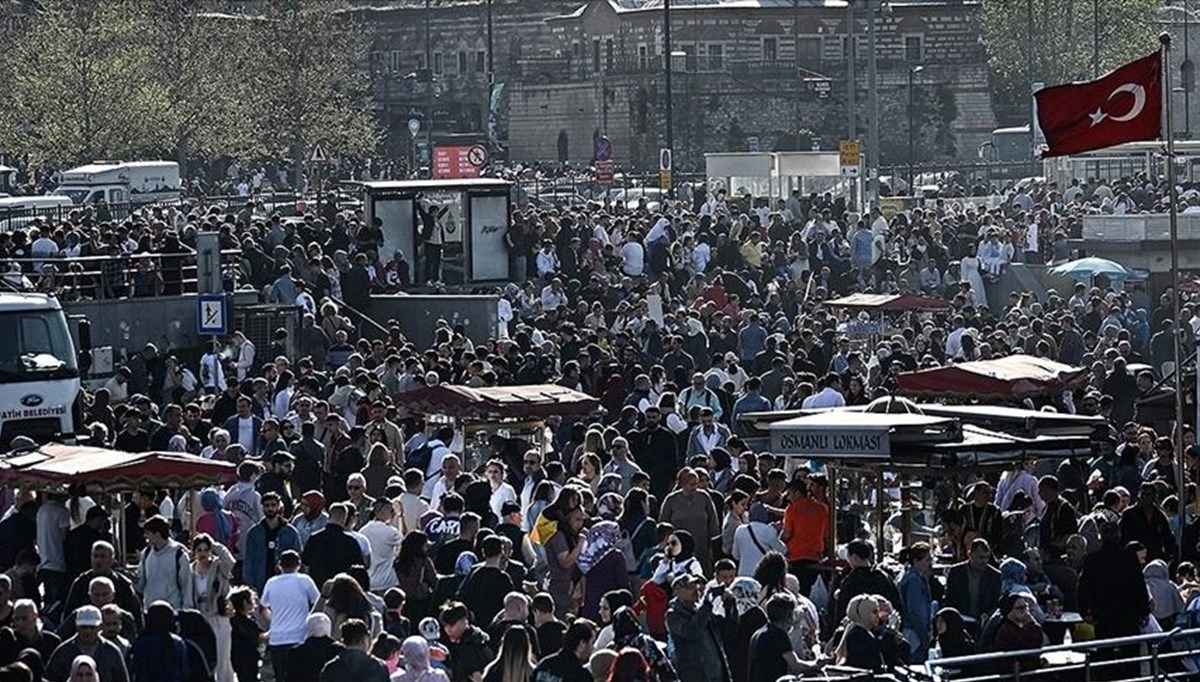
point(664, 179)
point(848, 150)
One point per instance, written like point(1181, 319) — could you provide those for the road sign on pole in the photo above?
point(664, 159)
point(602, 148)
point(477, 156)
point(414, 127)
point(210, 315)
point(317, 155)
point(851, 157)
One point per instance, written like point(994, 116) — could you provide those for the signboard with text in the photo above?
point(840, 443)
point(454, 162)
point(851, 157)
point(604, 173)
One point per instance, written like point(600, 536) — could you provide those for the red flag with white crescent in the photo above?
point(1122, 106)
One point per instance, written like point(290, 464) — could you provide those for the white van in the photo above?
point(18, 211)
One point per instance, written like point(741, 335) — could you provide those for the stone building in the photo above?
point(750, 74)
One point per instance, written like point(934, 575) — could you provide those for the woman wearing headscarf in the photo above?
point(866, 643)
point(601, 566)
point(312, 516)
point(627, 632)
point(747, 592)
point(318, 648)
point(159, 655)
point(83, 669)
point(1165, 600)
point(950, 635)
point(212, 574)
point(215, 522)
point(415, 654)
point(1014, 579)
point(1018, 631)
point(202, 645)
point(680, 558)
point(691, 509)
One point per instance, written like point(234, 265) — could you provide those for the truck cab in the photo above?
point(40, 389)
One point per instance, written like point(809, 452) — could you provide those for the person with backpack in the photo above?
point(428, 458)
point(164, 572)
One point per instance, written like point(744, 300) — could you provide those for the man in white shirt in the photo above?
point(829, 396)
point(954, 338)
point(384, 539)
point(553, 296)
point(451, 468)
point(286, 601)
point(212, 375)
point(633, 257)
point(245, 355)
point(546, 260)
point(439, 448)
point(412, 507)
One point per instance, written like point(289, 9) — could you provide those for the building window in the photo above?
point(480, 60)
point(395, 62)
point(1187, 76)
point(595, 55)
point(608, 55)
point(770, 49)
point(437, 62)
point(808, 49)
point(421, 61)
point(914, 49)
point(716, 56)
point(643, 57)
point(462, 61)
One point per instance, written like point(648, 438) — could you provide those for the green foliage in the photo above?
point(90, 79)
point(1058, 42)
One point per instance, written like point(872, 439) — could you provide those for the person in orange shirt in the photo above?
point(805, 524)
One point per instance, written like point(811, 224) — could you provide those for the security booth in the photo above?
point(450, 231)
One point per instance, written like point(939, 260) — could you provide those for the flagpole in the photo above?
point(1173, 216)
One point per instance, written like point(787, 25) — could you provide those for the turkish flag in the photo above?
point(1124, 105)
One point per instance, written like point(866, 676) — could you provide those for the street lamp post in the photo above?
point(873, 96)
point(670, 109)
point(911, 74)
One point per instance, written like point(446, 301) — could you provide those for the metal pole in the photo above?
point(911, 73)
point(491, 62)
point(1173, 215)
point(873, 99)
point(429, 90)
point(667, 76)
point(851, 79)
point(1187, 87)
point(1095, 38)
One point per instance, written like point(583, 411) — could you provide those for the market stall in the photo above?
point(1009, 378)
point(110, 474)
point(881, 315)
point(514, 413)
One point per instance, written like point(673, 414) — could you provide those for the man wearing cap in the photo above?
point(110, 664)
point(698, 653)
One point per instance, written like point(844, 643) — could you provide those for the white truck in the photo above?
point(40, 390)
point(121, 182)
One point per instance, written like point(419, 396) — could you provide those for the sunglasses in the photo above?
point(354, 487)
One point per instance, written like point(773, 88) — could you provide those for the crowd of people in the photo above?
point(653, 542)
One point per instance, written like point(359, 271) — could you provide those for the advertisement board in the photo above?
point(489, 226)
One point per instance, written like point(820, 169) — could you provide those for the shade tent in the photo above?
point(1010, 378)
point(889, 302)
point(508, 402)
point(57, 466)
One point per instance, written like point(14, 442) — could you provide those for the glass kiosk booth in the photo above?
point(471, 221)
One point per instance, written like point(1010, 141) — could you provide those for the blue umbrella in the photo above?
point(1087, 268)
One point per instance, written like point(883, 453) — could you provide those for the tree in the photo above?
point(1051, 41)
point(197, 94)
point(316, 90)
point(78, 83)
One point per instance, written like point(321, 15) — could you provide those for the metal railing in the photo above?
point(135, 275)
point(1149, 660)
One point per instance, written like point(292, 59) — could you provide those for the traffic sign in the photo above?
point(414, 126)
point(477, 156)
point(210, 315)
point(318, 155)
point(664, 179)
point(664, 159)
point(850, 157)
point(752, 143)
point(602, 148)
point(605, 172)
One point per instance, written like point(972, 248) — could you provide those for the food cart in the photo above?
point(515, 413)
point(110, 473)
point(1011, 378)
point(878, 314)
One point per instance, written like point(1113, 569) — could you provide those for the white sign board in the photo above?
point(872, 443)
